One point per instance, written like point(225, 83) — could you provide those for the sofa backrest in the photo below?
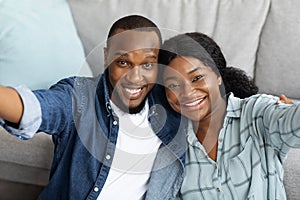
point(257, 36)
point(278, 62)
point(228, 22)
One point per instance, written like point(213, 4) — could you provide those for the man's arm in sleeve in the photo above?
point(20, 112)
point(11, 105)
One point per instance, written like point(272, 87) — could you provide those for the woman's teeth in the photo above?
point(194, 103)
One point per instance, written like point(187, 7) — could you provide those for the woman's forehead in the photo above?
point(183, 65)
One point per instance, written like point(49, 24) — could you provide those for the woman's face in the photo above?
point(192, 88)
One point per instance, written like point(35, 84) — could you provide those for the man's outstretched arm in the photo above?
point(11, 105)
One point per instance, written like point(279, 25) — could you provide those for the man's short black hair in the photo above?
point(132, 22)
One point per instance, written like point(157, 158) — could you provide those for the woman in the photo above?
point(235, 146)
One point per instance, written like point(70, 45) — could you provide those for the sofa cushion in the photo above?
point(25, 161)
point(292, 174)
point(39, 43)
point(277, 69)
point(17, 191)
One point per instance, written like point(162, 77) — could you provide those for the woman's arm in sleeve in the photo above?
point(282, 126)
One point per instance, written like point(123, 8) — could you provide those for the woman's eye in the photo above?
point(173, 86)
point(198, 77)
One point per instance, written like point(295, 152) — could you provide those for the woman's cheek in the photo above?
point(173, 101)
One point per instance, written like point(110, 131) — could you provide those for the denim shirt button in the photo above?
point(115, 122)
point(107, 157)
point(96, 189)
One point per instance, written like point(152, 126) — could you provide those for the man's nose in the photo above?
point(135, 75)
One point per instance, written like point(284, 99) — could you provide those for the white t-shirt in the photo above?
point(136, 149)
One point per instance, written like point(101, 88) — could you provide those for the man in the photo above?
point(112, 136)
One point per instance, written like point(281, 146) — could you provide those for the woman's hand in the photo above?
point(283, 99)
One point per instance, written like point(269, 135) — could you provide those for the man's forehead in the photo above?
point(131, 40)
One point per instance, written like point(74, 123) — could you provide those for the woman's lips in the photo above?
point(193, 104)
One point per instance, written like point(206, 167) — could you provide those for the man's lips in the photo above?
point(133, 92)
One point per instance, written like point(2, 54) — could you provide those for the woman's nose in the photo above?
point(187, 90)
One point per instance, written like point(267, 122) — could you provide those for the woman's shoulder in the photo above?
point(250, 104)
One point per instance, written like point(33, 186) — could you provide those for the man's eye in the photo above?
point(148, 65)
point(198, 77)
point(122, 63)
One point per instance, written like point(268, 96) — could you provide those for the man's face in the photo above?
point(131, 59)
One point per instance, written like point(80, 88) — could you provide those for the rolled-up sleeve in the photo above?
point(32, 115)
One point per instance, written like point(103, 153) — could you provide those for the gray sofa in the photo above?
point(260, 37)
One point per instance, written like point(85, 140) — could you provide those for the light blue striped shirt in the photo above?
point(252, 145)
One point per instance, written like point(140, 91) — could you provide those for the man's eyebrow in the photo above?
point(151, 53)
point(152, 56)
point(125, 54)
point(121, 54)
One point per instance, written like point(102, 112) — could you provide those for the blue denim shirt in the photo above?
point(77, 112)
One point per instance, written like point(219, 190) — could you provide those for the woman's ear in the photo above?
point(220, 80)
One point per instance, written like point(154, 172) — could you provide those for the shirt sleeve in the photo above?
point(282, 126)
point(31, 118)
point(56, 106)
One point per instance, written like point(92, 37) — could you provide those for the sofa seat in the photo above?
point(24, 165)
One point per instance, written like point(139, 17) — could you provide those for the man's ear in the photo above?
point(105, 56)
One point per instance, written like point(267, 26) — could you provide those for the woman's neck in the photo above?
point(208, 129)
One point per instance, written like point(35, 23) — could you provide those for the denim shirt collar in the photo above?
point(103, 91)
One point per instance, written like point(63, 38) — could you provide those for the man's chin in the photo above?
point(136, 109)
point(130, 108)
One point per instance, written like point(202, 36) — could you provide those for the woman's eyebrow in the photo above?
point(194, 70)
point(169, 78)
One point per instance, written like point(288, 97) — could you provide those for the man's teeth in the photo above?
point(193, 103)
point(133, 91)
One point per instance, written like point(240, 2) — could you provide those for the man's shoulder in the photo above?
point(76, 82)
